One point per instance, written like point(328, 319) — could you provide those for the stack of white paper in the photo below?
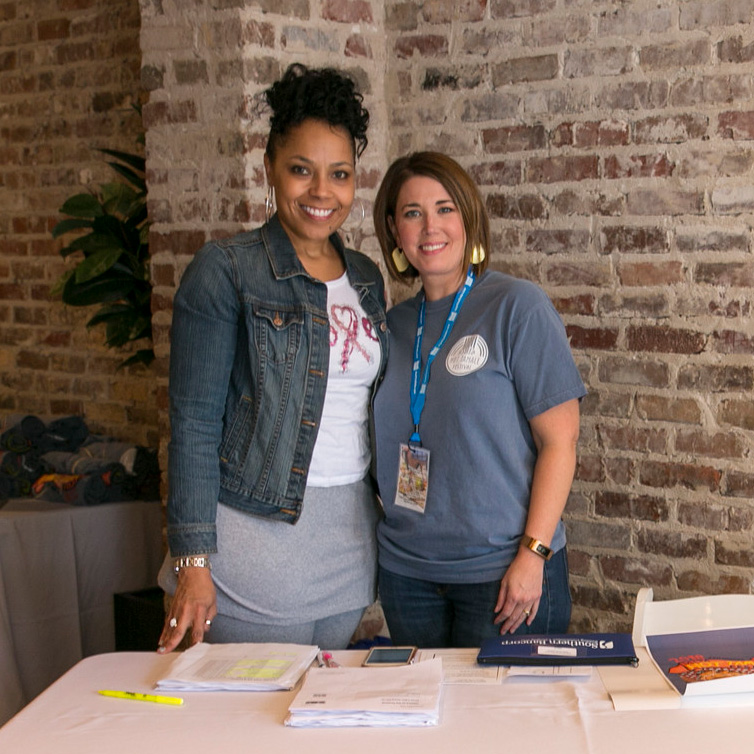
point(238, 667)
point(383, 697)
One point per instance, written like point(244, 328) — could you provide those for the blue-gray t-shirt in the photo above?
point(506, 361)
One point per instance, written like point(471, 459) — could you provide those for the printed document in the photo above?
point(459, 666)
point(408, 695)
point(239, 667)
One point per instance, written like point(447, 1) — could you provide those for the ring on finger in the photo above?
point(527, 613)
point(173, 623)
point(208, 623)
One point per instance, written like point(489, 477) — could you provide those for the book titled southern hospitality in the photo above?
point(559, 649)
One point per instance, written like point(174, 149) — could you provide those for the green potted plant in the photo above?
point(114, 267)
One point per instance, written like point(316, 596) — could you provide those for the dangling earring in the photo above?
point(478, 254)
point(399, 259)
point(269, 204)
point(360, 213)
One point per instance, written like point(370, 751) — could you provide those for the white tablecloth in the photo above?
point(59, 568)
point(563, 717)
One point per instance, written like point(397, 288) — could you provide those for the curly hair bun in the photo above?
point(321, 93)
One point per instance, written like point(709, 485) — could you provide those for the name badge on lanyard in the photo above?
point(413, 461)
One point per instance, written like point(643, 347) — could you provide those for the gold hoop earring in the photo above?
point(399, 259)
point(269, 204)
point(478, 254)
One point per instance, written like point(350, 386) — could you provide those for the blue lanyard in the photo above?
point(419, 389)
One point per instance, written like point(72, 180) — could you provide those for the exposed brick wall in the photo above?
point(69, 73)
point(614, 144)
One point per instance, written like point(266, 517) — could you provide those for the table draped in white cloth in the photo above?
point(59, 569)
point(569, 716)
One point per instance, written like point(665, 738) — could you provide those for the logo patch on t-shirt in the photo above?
point(468, 355)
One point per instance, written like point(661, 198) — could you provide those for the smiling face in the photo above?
point(312, 173)
point(429, 228)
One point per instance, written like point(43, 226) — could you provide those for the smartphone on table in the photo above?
point(381, 657)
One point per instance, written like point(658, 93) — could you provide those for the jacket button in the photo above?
point(383, 327)
point(277, 321)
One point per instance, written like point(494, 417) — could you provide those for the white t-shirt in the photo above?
point(341, 453)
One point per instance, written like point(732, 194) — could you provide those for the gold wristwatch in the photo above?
point(536, 546)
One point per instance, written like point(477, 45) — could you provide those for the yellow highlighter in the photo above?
point(142, 697)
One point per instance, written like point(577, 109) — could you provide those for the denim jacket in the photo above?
point(248, 373)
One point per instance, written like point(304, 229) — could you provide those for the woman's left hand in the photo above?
point(520, 590)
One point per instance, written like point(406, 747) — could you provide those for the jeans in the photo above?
point(433, 615)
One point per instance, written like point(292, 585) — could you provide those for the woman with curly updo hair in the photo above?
point(278, 338)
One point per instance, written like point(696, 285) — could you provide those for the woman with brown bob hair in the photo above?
point(476, 425)
point(459, 186)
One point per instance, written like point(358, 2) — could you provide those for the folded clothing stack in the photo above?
point(61, 461)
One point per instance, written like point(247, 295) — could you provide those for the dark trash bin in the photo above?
point(139, 617)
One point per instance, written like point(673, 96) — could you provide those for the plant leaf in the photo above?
point(82, 205)
point(127, 271)
point(141, 327)
point(114, 271)
point(143, 356)
point(118, 332)
point(59, 284)
point(90, 244)
point(117, 198)
point(68, 250)
point(125, 327)
point(133, 178)
point(134, 160)
point(107, 312)
point(137, 215)
point(121, 233)
point(96, 291)
point(97, 263)
point(64, 226)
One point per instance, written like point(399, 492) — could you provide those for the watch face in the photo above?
point(542, 550)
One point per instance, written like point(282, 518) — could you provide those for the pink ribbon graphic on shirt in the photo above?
point(368, 329)
point(348, 321)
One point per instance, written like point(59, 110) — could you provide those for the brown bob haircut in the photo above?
point(456, 181)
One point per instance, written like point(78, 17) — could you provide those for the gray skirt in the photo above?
point(271, 572)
